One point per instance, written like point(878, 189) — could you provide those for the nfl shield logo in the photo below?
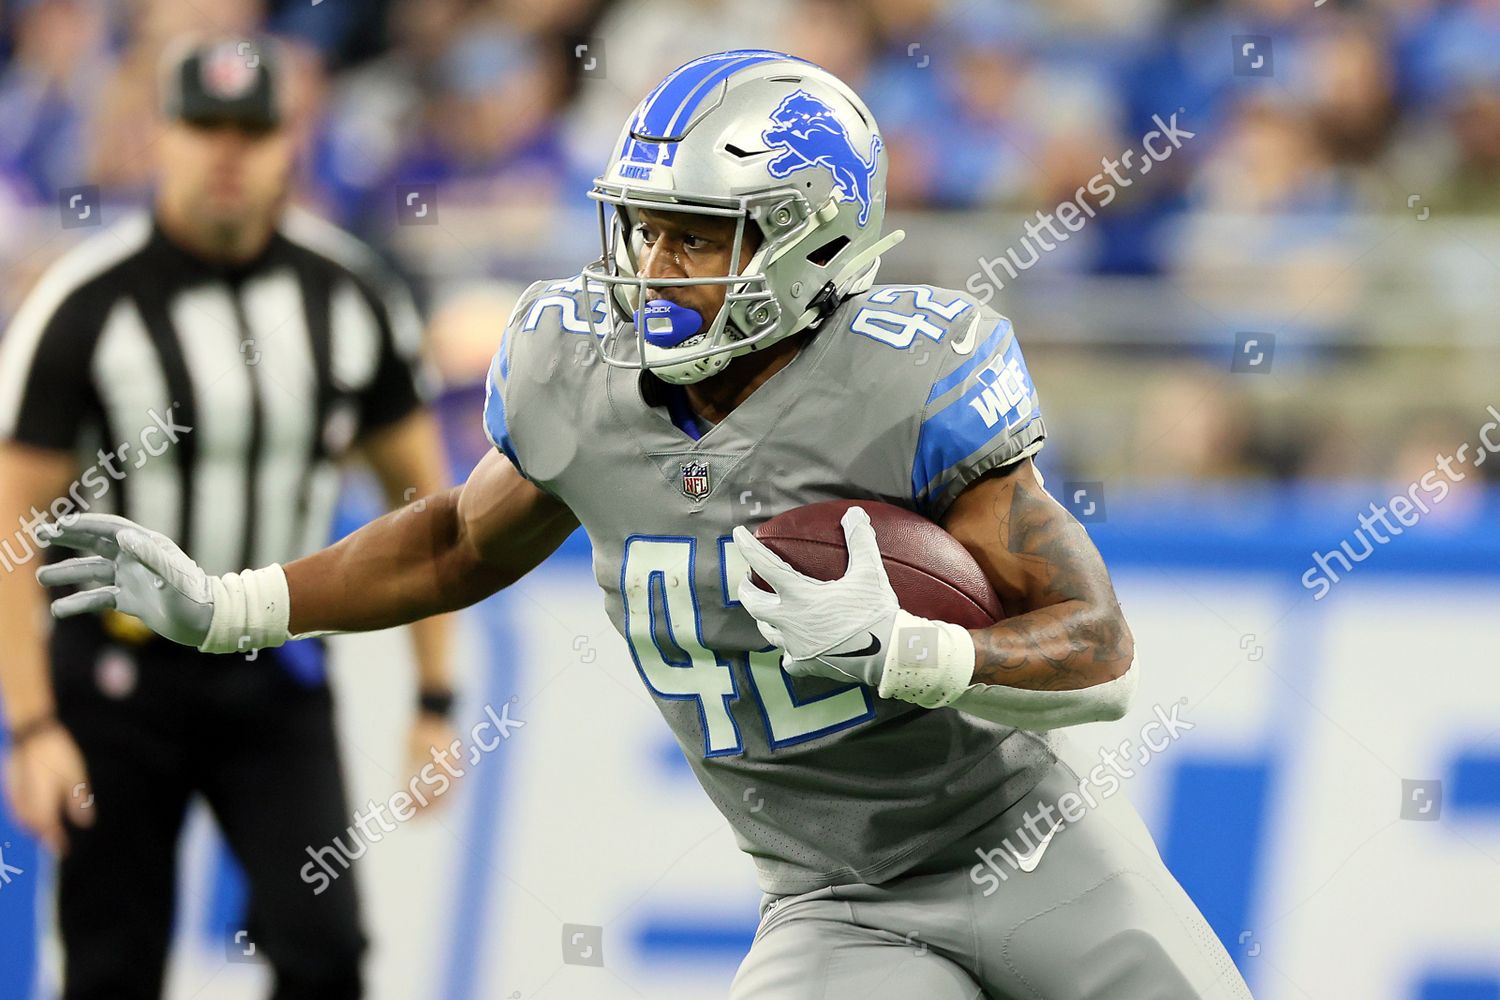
point(695, 480)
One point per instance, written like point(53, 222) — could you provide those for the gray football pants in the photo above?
point(1098, 917)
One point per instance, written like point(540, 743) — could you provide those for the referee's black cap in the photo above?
point(223, 82)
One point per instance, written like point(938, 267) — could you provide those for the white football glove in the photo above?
point(143, 573)
point(853, 628)
point(828, 628)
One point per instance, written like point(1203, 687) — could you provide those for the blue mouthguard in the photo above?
point(667, 324)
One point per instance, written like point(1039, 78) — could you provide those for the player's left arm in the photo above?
point(1064, 656)
point(1065, 631)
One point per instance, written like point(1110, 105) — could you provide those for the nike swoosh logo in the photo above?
point(870, 650)
point(965, 344)
point(1027, 862)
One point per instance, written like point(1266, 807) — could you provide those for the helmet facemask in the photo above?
point(749, 317)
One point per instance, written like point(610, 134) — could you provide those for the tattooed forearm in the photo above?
point(1062, 648)
point(1068, 631)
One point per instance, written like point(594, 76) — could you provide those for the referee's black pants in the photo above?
point(258, 745)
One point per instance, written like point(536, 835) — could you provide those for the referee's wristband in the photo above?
point(437, 702)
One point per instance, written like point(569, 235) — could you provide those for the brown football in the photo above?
point(933, 575)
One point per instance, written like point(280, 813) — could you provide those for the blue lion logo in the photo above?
point(813, 136)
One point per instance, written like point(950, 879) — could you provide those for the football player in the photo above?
point(730, 357)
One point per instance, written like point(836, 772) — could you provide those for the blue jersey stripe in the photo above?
point(982, 354)
point(979, 417)
point(494, 408)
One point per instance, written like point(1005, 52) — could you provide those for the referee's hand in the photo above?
point(45, 782)
point(131, 569)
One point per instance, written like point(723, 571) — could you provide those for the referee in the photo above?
point(201, 371)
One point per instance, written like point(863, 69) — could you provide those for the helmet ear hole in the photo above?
point(824, 254)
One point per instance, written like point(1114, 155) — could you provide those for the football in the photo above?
point(933, 575)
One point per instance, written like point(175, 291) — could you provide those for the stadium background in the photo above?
point(1289, 318)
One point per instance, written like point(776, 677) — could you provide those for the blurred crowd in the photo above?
point(984, 102)
point(1335, 111)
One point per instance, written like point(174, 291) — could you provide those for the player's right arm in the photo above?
point(438, 554)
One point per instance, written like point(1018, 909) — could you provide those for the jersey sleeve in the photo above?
point(981, 413)
point(498, 394)
point(46, 382)
point(496, 427)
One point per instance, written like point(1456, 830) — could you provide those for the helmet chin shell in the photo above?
point(766, 140)
point(659, 362)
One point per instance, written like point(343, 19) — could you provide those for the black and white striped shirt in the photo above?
point(211, 402)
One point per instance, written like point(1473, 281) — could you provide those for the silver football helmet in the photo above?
point(765, 139)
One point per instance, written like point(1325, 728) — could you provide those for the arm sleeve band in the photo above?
point(931, 664)
point(252, 610)
point(1039, 711)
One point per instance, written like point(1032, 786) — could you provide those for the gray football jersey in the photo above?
point(905, 395)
